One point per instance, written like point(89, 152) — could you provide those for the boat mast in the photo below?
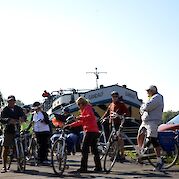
point(97, 75)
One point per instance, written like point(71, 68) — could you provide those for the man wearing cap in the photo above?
point(151, 115)
point(12, 115)
point(114, 111)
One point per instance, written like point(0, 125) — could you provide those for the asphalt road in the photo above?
point(120, 171)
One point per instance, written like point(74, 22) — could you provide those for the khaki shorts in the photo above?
point(8, 140)
point(151, 129)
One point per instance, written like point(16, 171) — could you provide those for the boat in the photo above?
point(99, 98)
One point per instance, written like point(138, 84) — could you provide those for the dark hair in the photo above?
point(11, 97)
point(36, 104)
point(27, 108)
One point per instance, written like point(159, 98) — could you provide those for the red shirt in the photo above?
point(118, 107)
point(87, 120)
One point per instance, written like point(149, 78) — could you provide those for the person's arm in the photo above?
point(4, 119)
point(151, 104)
point(107, 113)
point(30, 124)
point(46, 118)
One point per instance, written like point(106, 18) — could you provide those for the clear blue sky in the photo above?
point(51, 44)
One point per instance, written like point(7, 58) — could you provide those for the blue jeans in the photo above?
point(72, 140)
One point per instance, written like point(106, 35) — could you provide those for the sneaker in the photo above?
point(120, 159)
point(158, 166)
point(46, 162)
point(81, 170)
point(97, 170)
point(3, 170)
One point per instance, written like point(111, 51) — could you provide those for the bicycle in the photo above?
point(112, 147)
point(19, 152)
point(30, 147)
point(59, 149)
point(133, 154)
point(59, 153)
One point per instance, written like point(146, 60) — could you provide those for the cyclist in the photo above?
point(114, 110)
point(151, 115)
point(11, 116)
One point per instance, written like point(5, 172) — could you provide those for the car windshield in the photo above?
point(174, 120)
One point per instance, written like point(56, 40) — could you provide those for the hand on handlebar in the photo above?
point(114, 115)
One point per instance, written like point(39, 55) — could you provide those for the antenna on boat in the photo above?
point(97, 75)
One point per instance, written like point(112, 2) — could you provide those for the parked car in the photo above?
point(173, 124)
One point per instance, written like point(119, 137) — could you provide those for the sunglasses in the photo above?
point(115, 96)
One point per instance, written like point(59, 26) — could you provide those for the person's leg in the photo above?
point(94, 150)
point(5, 151)
point(106, 129)
point(40, 149)
point(8, 141)
point(156, 145)
point(121, 144)
point(71, 142)
point(44, 145)
point(141, 136)
point(85, 151)
point(152, 131)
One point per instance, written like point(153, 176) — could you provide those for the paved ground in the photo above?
point(120, 171)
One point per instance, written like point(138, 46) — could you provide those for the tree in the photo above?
point(1, 100)
point(19, 103)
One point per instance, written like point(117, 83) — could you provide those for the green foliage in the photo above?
point(168, 115)
point(1, 100)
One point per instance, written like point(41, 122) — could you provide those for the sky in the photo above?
point(51, 44)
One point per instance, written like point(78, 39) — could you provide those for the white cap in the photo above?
point(152, 88)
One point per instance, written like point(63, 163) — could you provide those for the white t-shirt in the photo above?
point(40, 126)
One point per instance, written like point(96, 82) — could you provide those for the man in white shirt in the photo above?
point(151, 115)
point(42, 131)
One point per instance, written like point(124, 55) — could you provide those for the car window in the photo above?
point(174, 120)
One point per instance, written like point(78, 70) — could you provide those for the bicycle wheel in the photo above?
point(21, 161)
point(169, 157)
point(111, 155)
point(59, 157)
